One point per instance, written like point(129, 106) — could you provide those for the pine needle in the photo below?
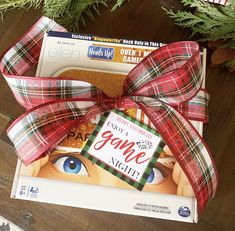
point(67, 12)
point(211, 21)
point(118, 4)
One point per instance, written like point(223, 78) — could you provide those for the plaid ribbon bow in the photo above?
point(165, 85)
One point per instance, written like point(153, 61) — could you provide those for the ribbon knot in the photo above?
point(165, 85)
point(118, 102)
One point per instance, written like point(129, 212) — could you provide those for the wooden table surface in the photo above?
point(143, 20)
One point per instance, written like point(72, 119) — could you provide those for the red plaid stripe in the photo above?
point(196, 108)
point(166, 85)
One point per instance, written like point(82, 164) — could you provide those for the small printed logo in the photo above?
point(22, 190)
point(5, 227)
point(98, 52)
point(144, 144)
point(184, 211)
point(33, 192)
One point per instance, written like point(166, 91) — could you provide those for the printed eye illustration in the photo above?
point(155, 177)
point(70, 165)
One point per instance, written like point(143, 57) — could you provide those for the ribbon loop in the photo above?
point(171, 73)
point(165, 85)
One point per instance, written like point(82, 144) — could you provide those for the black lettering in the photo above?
point(87, 136)
point(71, 134)
point(79, 136)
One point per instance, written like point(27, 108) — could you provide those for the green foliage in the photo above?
point(69, 12)
point(6, 4)
point(9, 4)
point(211, 21)
point(66, 12)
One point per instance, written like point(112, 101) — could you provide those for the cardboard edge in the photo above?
point(40, 60)
point(16, 179)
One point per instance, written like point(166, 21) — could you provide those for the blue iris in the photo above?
point(72, 165)
point(151, 177)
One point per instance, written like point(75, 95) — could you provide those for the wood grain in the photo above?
point(4, 119)
point(15, 24)
point(141, 20)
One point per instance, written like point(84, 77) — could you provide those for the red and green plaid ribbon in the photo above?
point(165, 85)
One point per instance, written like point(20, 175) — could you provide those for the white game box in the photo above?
point(67, 178)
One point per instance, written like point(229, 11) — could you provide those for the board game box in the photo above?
point(68, 178)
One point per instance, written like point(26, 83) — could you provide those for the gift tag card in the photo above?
point(124, 147)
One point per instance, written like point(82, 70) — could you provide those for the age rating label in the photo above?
point(124, 147)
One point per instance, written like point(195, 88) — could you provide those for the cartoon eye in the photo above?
point(70, 165)
point(155, 177)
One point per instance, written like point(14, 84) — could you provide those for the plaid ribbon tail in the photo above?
point(188, 147)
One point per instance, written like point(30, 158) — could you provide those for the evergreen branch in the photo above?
point(67, 12)
point(70, 12)
point(230, 64)
point(9, 4)
point(211, 22)
point(187, 2)
point(229, 44)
